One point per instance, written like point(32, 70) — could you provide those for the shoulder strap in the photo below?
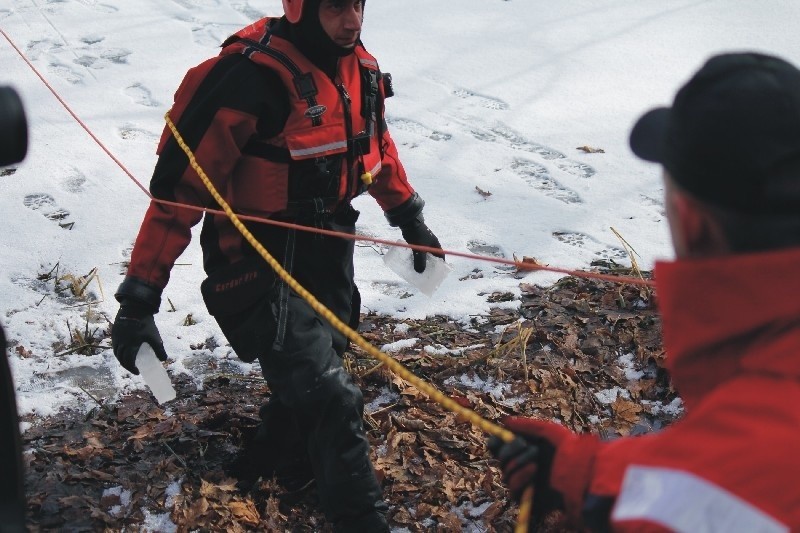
point(248, 43)
point(373, 98)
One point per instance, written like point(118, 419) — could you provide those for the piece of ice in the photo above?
point(154, 374)
point(401, 260)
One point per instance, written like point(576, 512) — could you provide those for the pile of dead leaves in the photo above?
point(583, 352)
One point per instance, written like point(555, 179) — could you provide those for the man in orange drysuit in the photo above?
point(730, 150)
point(288, 122)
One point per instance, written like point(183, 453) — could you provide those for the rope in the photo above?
point(432, 392)
point(453, 253)
point(436, 395)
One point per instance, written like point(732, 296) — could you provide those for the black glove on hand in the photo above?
point(133, 326)
point(524, 465)
point(527, 461)
point(416, 232)
point(558, 464)
point(408, 216)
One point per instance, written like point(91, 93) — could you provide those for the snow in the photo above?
point(494, 95)
point(629, 367)
point(399, 345)
point(124, 500)
point(490, 386)
point(672, 409)
point(609, 396)
point(158, 523)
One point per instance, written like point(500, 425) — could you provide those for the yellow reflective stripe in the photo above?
point(318, 149)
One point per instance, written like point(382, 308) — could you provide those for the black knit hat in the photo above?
point(732, 135)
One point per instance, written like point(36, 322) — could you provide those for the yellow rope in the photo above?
point(435, 394)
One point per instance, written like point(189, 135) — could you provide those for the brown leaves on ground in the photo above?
point(585, 353)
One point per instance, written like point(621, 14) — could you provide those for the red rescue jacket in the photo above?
point(731, 329)
point(332, 147)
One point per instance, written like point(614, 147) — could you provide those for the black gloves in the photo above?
point(418, 233)
point(527, 463)
point(556, 462)
point(134, 323)
point(408, 216)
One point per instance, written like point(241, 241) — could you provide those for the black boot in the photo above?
point(277, 450)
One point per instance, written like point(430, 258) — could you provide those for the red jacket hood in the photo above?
point(728, 316)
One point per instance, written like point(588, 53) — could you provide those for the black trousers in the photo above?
point(12, 496)
point(305, 374)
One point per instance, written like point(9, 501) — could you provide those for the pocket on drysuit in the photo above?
point(240, 297)
point(318, 141)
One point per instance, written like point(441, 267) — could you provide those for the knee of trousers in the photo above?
point(333, 391)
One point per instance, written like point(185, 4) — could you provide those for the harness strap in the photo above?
point(303, 82)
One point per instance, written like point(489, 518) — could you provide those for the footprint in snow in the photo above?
point(518, 142)
point(539, 178)
point(585, 242)
point(104, 59)
point(504, 135)
point(46, 205)
point(74, 182)
point(209, 34)
point(576, 168)
point(66, 72)
point(132, 133)
point(404, 124)
point(482, 248)
point(35, 49)
point(484, 101)
point(91, 40)
point(141, 95)
point(392, 289)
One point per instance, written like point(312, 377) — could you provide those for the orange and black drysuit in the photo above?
point(289, 139)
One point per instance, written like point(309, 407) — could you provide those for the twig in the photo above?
point(382, 409)
point(371, 370)
point(90, 395)
point(631, 253)
point(523, 335)
point(178, 457)
point(235, 376)
point(81, 347)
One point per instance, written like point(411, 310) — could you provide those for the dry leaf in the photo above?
point(590, 150)
point(483, 193)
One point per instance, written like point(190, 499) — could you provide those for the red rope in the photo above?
point(453, 253)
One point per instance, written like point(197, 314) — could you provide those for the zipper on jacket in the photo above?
point(348, 123)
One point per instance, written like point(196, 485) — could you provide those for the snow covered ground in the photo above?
point(493, 96)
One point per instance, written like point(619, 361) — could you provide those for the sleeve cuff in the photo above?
point(407, 212)
point(139, 291)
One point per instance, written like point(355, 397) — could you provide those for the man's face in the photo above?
point(341, 20)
